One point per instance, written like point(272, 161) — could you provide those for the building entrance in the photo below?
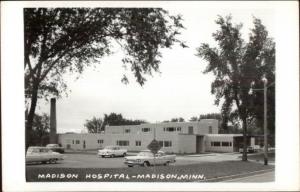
point(199, 144)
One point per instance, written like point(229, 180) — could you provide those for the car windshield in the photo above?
point(30, 150)
point(38, 150)
point(51, 145)
point(145, 153)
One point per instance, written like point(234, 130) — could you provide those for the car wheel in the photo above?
point(52, 161)
point(130, 165)
point(124, 154)
point(166, 163)
point(44, 162)
point(112, 156)
point(146, 164)
point(102, 156)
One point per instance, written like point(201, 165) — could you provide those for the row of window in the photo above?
point(219, 144)
point(139, 143)
point(75, 142)
point(165, 143)
point(145, 129)
point(172, 129)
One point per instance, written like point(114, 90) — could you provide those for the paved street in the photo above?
point(264, 177)
point(204, 166)
point(92, 161)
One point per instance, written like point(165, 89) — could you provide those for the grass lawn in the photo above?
point(183, 173)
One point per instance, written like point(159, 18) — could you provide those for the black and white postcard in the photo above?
point(150, 96)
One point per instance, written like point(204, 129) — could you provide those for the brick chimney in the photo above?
point(53, 134)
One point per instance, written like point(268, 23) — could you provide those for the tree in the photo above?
point(118, 119)
point(94, 125)
point(211, 116)
point(41, 129)
point(238, 65)
point(61, 40)
point(194, 118)
point(180, 119)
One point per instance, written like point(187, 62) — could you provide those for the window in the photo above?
point(210, 129)
point(100, 141)
point(146, 129)
point(179, 129)
point(123, 143)
point(191, 130)
point(169, 129)
point(161, 143)
point(127, 130)
point(225, 144)
point(73, 142)
point(215, 144)
point(138, 143)
point(168, 143)
point(77, 142)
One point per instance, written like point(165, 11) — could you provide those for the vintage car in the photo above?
point(112, 151)
point(43, 155)
point(147, 158)
point(56, 148)
point(250, 149)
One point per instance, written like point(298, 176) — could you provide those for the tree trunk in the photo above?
point(244, 158)
point(30, 117)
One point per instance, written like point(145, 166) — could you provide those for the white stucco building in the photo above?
point(176, 137)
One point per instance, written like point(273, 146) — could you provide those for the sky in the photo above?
point(180, 90)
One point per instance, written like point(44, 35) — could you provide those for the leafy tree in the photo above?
point(237, 65)
point(41, 129)
point(211, 116)
point(118, 119)
point(180, 119)
point(194, 118)
point(61, 40)
point(94, 125)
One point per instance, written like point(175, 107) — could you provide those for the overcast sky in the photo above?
point(180, 90)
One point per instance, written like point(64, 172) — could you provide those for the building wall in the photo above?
point(76, 141)
point(205, 124)
point(175, 136)
point(186, 143)
point(219, 142)
point(199, 127)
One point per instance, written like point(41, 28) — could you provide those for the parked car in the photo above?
point(56, 148)
point(147, 158)
point(112, 151)
point(43, 155)
point(250, 149)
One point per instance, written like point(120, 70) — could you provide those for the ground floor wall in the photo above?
point(186, 144)
point(131, 142)
point(219, 144)
point(172, 143)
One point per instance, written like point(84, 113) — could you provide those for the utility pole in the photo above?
point(265, 123)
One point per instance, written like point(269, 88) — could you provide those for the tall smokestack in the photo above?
point(53, 136)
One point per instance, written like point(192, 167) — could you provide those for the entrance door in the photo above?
point(199, 144)
point(84, 144)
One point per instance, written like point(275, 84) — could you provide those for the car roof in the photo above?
point(37, 147)
point(146, 150)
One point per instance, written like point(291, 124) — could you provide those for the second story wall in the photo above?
point(205, 126)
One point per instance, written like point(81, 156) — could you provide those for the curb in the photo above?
point(229, 177)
